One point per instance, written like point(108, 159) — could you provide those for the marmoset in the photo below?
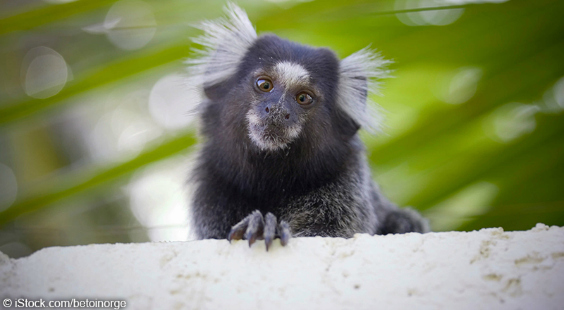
point(281, 154)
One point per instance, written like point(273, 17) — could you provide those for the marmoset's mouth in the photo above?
point(271, 129)
point(270, 133)
point(269, 137)
point(275, 137)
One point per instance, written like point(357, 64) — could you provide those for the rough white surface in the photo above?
point(487, 269)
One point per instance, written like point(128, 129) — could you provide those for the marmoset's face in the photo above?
point(287, 93)
point(282, 97)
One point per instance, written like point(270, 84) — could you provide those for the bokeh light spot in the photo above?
point(46, 72)
point(130, 24)
point(172, 102)
point(558, 91)
point(472, 201)
point(511, 121)
point(158, 200)
point(459, 86)
point(439, 17)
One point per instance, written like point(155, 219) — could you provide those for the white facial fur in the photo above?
point(256, 128)
point(291, 74)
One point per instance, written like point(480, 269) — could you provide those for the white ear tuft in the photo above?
point(358, 75)
point(225, 42)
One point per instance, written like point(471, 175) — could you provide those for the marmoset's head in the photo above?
point(274, 92)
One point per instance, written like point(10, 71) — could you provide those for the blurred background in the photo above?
point(96, 139)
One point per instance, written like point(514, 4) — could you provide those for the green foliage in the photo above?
point(474, 124)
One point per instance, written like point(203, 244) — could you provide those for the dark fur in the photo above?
point(320, 183)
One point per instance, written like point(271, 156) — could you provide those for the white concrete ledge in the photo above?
point(487, 269)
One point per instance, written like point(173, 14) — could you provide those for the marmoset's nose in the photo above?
point(276, 109)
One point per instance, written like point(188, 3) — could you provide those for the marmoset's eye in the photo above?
point(304, 98)
point(264, 84)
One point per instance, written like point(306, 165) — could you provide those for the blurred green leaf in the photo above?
point(80, 181)
point(47, 14)
point(110, 73)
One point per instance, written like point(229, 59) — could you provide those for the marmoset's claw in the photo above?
point(269, 229)
point(284, 232)
point(238, 230)
point(256, 227)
